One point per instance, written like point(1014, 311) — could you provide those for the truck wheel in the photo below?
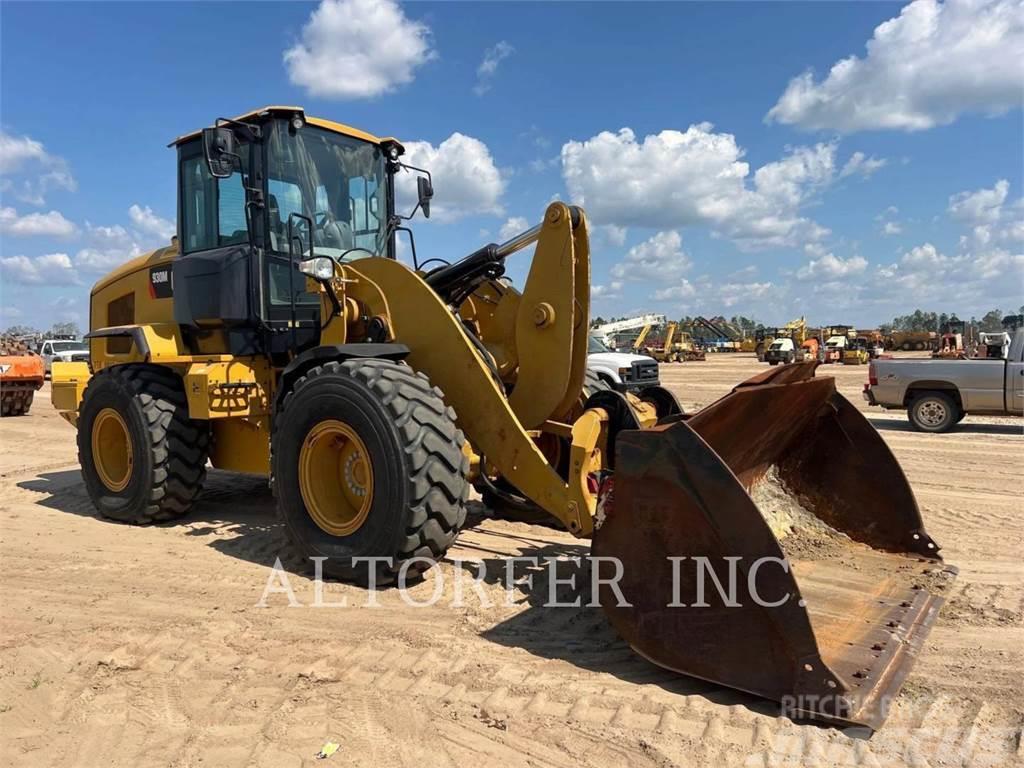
point(368, 463)
point(905, 346)
point(933, 412)
point(143, 459)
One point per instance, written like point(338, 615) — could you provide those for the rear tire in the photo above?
point(418, 470)
point(165, 464)
point(933, 412)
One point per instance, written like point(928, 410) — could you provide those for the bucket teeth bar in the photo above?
point(755, 556)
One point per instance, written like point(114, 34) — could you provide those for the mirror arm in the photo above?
point(412, 246)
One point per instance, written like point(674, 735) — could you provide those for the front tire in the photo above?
point(143, 459)
point(399, 485)
point(933, 412)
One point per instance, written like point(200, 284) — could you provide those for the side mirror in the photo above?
point(425, 191)
point(220, 151)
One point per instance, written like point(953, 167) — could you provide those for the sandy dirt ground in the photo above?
point(124, 646)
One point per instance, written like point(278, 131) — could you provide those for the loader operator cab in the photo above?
point(262, 193)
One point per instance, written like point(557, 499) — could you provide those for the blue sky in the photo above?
point(724, 168)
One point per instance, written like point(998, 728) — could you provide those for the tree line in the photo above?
point(918, 320)
point(58, 329)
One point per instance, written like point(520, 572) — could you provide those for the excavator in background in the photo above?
point(688, 349)
point(666, 349)
point(715, 337)
point(21, 375)
point(279, 334)
point(638, 342)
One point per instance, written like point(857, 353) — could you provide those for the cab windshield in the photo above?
point(325, 185)
point(336, 181)
point(595, 345)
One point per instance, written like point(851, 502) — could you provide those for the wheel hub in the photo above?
point(112, 450)
point(335, 478)
point(932, 413)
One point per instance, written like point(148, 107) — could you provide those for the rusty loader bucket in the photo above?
point(827, 583)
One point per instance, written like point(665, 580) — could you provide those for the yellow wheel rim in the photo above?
point(112, 450)
point(335, 478)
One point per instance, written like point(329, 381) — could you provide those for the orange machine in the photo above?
point(21, 374)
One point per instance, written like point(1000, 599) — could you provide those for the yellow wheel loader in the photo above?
point(278, 334)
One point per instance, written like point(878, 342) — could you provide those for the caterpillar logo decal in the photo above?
point(161, 282)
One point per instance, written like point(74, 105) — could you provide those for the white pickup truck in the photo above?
point(622, 371)
point(939, 393)
point(63, 351)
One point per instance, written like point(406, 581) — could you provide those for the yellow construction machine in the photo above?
point(278, 334)
point(667, 349)
point(638, 342)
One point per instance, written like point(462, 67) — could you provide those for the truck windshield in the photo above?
point(68, 346)
point(595, 345)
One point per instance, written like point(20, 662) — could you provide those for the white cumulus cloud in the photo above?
point(50, 269)
point(489, 66)
point(697, 177)
point(29, 171)
point(681, 290)
point(610, 290)
point(830, 267)
point(660, 258)
point(925, 67)
point(52, 224)
point(357, 49)
point(862, 165)
point(982, 206)
point(151, 224)
point(512, 227)
point(466, 180)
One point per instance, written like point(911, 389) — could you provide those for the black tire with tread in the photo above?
point(420, 471)
point(530, 513)
point(952, 412)
point(170, 449)
point(593, 383)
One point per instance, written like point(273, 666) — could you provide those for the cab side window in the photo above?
point(212, 210)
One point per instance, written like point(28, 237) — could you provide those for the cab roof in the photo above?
point(328, 125)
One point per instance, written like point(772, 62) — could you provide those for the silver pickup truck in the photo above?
point(939, 393)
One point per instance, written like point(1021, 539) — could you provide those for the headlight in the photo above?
point(322, 268)
point(625, 371)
